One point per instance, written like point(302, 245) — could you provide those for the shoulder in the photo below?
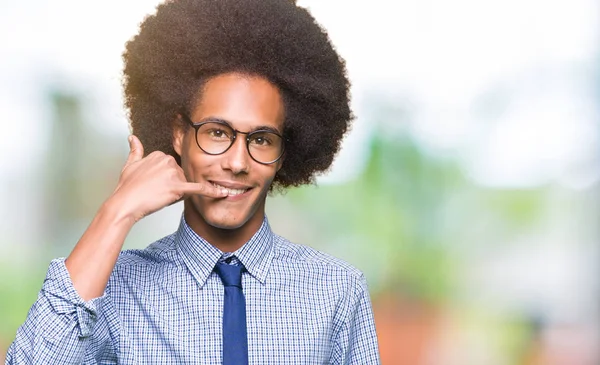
point(159, 252)
point(310, 260)
point(141, 273)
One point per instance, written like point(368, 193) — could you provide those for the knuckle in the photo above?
point(174, 176)
point(170, 160)
point(156, 154)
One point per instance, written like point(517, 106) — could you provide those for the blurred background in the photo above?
point(468, 190)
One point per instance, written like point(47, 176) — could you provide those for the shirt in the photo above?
point(164, 305)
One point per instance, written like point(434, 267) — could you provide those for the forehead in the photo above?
point(245, 101)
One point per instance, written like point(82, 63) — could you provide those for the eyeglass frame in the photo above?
point(197, 126)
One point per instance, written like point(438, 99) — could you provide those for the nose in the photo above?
point(237, 159)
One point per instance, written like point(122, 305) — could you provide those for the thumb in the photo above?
point(136, 150)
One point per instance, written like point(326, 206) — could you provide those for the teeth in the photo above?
point(231, 192)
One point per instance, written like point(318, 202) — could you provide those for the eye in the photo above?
point(217, 133)
point(261, 140)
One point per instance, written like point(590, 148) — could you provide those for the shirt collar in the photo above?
point(200, 256)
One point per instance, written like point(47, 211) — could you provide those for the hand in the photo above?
point(148, 184)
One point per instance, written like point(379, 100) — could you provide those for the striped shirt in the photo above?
point(164, 305)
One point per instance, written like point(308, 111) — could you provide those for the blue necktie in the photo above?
point(235, 337)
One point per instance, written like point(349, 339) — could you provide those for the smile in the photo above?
point(230, 191)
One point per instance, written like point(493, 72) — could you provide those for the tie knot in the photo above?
point(231, 275)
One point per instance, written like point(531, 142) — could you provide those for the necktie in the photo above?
point(235, 337)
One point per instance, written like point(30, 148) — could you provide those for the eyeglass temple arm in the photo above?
point(185, 118)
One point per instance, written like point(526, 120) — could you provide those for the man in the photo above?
point(228, 100)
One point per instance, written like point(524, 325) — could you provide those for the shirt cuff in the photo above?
point(64, 299)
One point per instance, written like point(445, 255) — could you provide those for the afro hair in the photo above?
point(186, 42)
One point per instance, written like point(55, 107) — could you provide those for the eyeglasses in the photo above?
point(215, 137)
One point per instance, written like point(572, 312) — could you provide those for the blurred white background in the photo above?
point(506, 91)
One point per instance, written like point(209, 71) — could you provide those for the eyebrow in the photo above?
point(257, 128)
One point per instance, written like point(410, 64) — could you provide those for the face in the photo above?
point(246, 103)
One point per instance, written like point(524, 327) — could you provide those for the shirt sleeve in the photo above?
point(61, 328)
point(356, 342)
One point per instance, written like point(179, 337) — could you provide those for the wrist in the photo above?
point(114, 211)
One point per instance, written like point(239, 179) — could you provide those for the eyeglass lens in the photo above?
point(216, 138)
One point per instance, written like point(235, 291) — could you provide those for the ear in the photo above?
point(178, 135)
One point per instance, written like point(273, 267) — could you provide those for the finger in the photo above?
point(136, 150)
point(188, 188)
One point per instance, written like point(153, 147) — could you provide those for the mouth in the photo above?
point(232, 190)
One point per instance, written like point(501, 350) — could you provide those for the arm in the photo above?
point(62, 327)
point(146, 185)
point(356, 342)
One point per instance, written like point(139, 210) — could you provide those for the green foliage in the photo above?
point(389, 219)
point(18, 289)
point(521, 208)
point(405, 219)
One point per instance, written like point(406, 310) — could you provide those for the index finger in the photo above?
point(190, 188)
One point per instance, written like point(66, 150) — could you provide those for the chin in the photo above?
point(225, 223)
point(221, 215)
point(227, 217)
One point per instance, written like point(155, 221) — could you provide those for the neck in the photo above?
point(225, 239)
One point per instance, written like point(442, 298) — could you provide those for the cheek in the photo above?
point(187, 166)
point(268, 177)
point(194, 165)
